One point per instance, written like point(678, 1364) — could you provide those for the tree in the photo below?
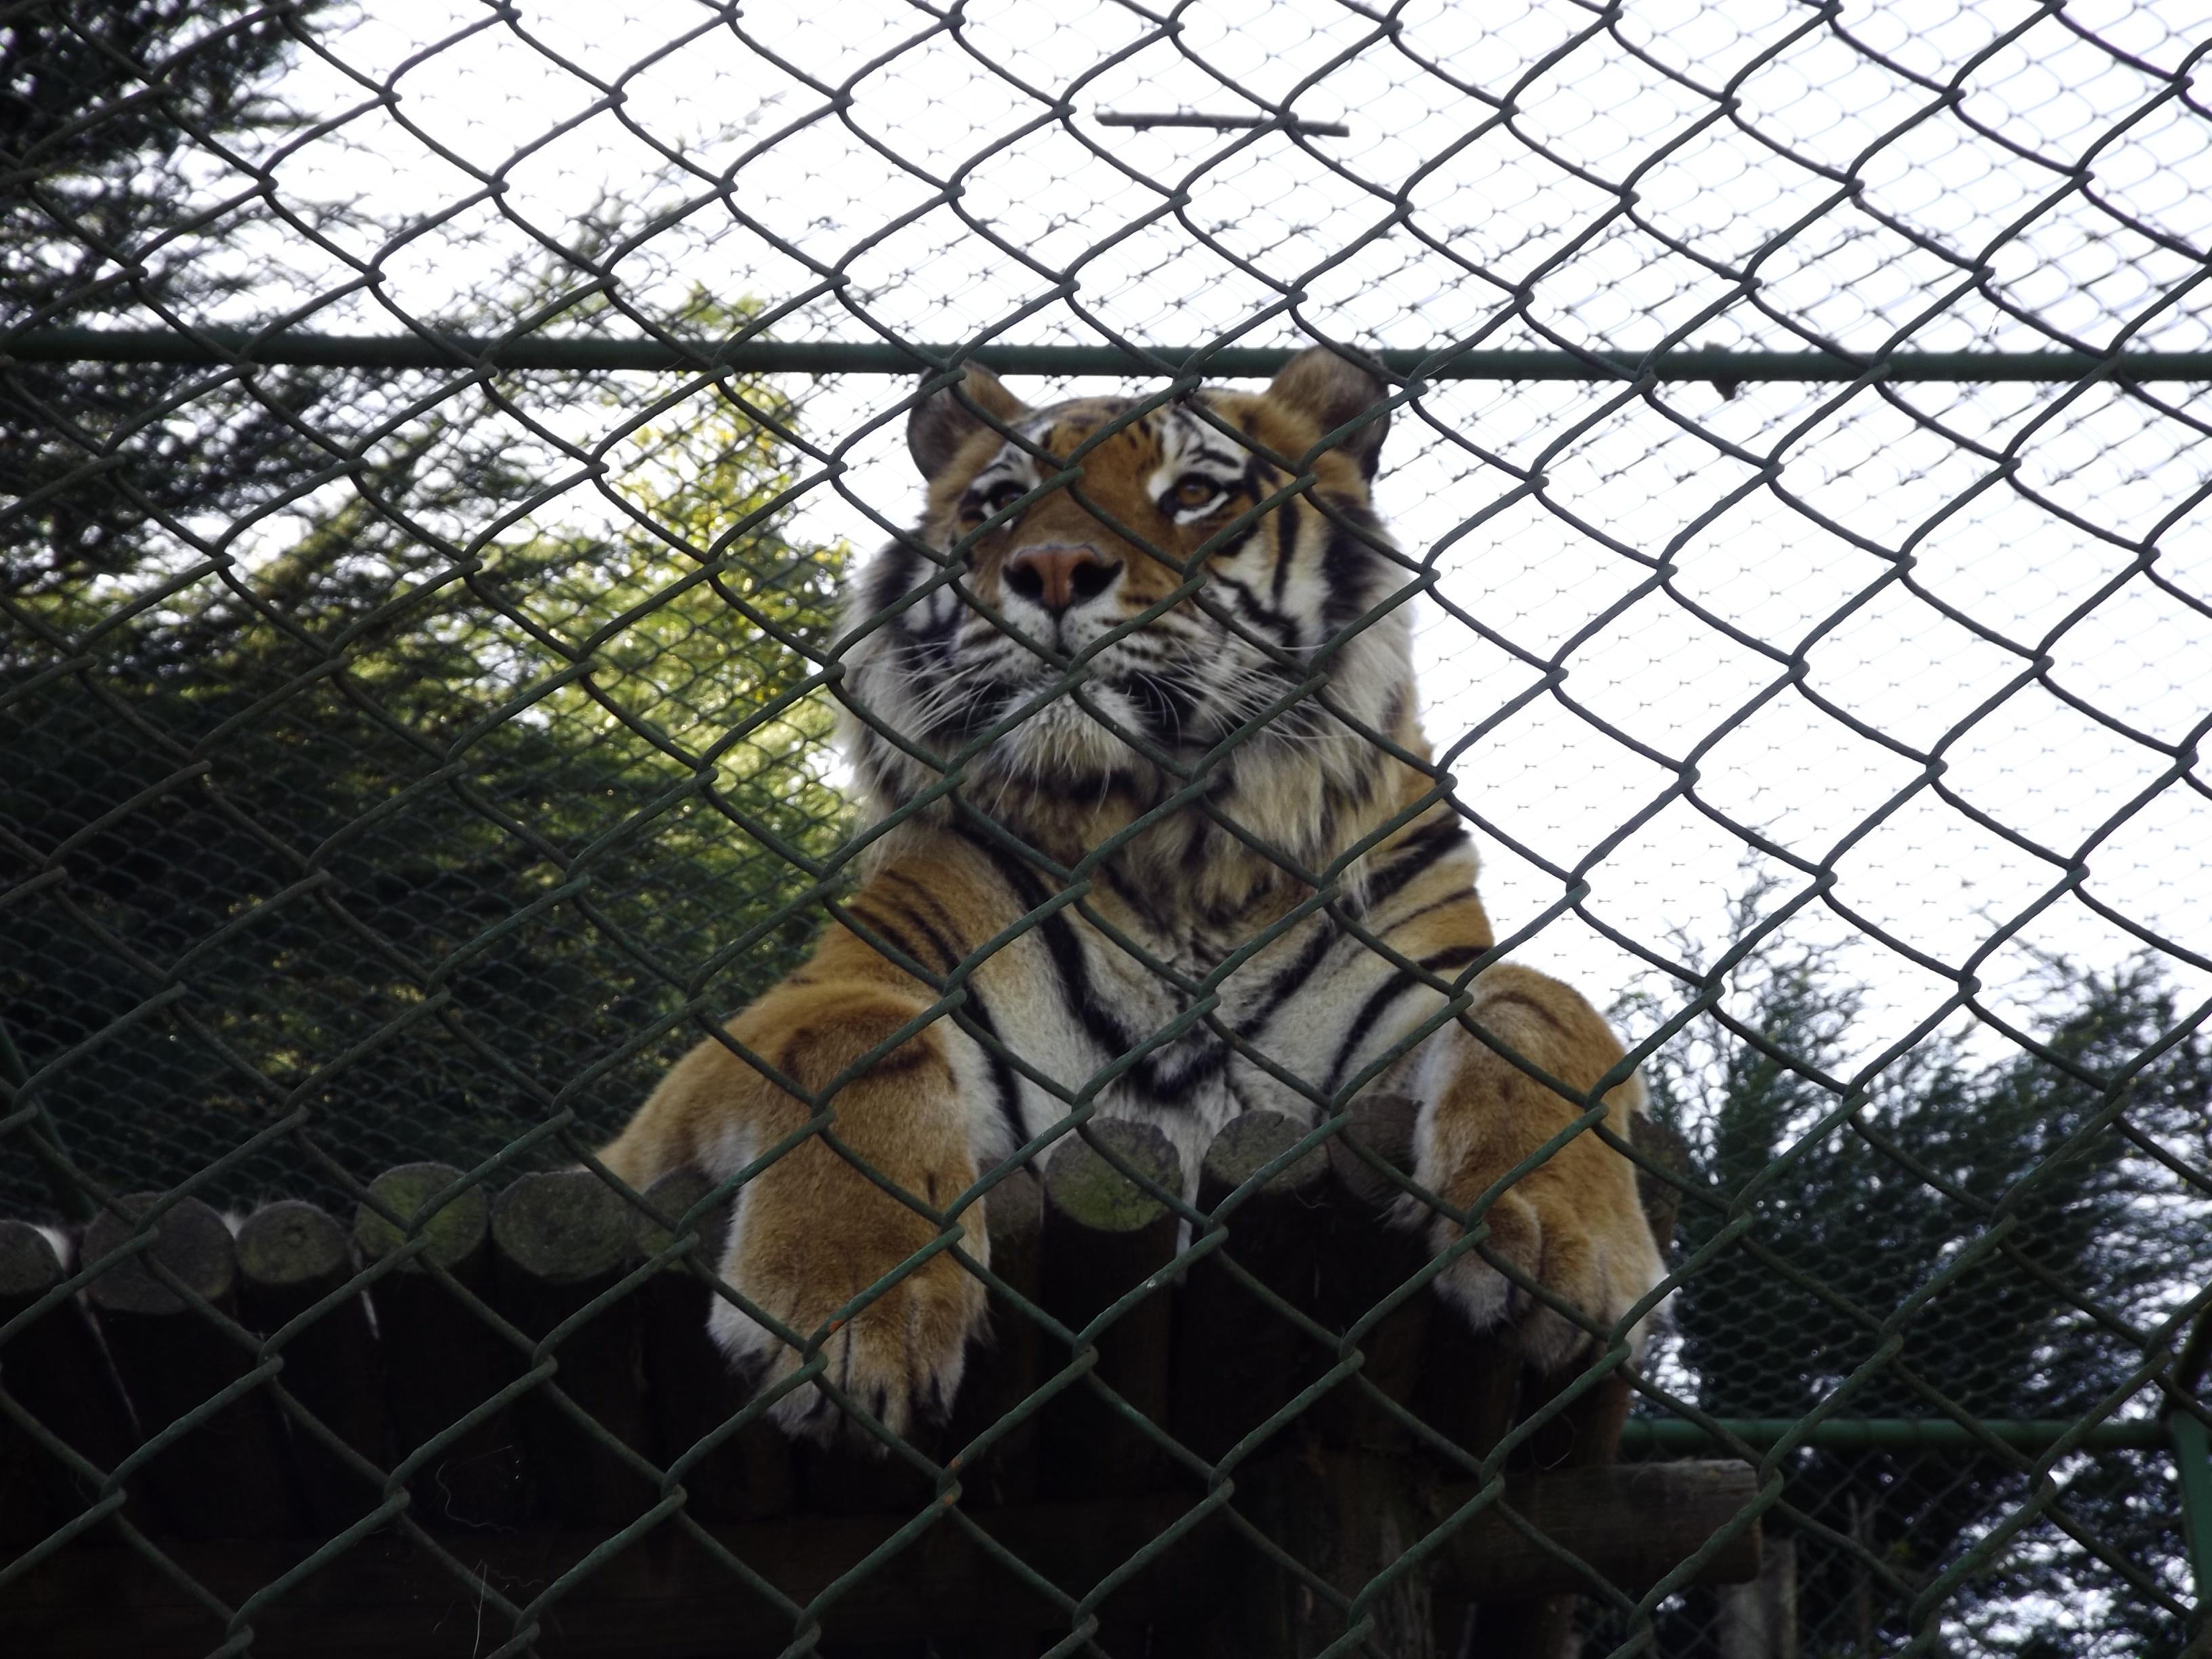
point(124, 124)
point(2016, 1194)
point(420, 855)
point(345, 775)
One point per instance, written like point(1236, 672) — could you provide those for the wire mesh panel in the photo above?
point(1749, 486)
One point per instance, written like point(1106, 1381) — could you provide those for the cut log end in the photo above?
point(672, 1196)
point(1085, 1188)
point(28, 1265)
point(455, 1232)
point(1384, 1124)
point(564, 1226)
point(1248, 1143)
point(190, 1240)
point(291, 1243)
point(1014, 1209)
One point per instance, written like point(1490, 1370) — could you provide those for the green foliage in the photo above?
point(1997, 1208)
point(427, 852)
point(109, 210)
point(323, 808)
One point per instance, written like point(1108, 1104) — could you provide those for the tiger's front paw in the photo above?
point(1571, 1226)
point(809, 1243)
point(1584, 1245)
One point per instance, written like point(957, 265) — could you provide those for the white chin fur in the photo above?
point(1060, 740)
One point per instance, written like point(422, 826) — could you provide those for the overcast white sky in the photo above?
point(810, 128)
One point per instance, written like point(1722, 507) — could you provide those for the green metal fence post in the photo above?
point(2192, 1461)
point(2192, 1464)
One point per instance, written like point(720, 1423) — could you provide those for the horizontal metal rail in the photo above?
point(1893, 1434)
point(293, 349)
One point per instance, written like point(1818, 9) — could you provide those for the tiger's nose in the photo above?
point(1057, 576)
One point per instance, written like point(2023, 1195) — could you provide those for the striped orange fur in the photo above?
point(1179, 628)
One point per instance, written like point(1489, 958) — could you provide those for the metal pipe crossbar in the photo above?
point(290, 349)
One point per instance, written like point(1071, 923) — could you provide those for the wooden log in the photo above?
point(1586, 1434)
point(1002, 1373)
point(1003, 1366)
point(1583, 1437)
point(1237, 1361)
point(689, 1380)
point(1632, 1522)
point(226, 1476)
point(442, 1361)
point(290, 1256)
point(1759, 1620)
point(1339, 1492)
point(1468, 1391)
point(1347, 1517)
point(563, 1239)
point(1365, 1260)
point(54, 1369)
point(1339, 1496)
point(1104, 1237)
point(37, 1492)
point(59, 1372)
point(1383, 1126)
point(1465, 1382)
point(36, 1497)
point(662, 1600)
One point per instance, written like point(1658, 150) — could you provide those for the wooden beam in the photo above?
point(666, 1598)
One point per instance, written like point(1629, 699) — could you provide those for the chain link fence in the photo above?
point(438, 443)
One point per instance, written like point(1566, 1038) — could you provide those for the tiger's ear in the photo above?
point(940, 423)
point(1329, 390)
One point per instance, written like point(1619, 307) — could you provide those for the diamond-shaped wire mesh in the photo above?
point(440, 441)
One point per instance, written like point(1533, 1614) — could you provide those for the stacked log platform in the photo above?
point(472, 1422)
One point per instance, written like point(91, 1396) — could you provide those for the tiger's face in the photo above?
point(1107, 602)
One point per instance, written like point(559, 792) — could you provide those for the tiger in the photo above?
point(1138, 684)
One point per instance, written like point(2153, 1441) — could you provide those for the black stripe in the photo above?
point(1287, 546)
point(1423, 848)
point(1061, 943)
point(1394, 709)
point(1076, 994)
point(874, 923)
point(1002, 1073)
point(1262, 615)
point(1281, 988)
point(945, 947)
point(1167, 710)
point(892, 578)
point(879, 762)
point(1399, 982)
point(1135, 898)
point(1347, 564)
point(1452, 955)
point(1168, 1087)
point(1095, 786)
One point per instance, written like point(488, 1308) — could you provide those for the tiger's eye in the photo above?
point(1002, 495)
point(1194, 492)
